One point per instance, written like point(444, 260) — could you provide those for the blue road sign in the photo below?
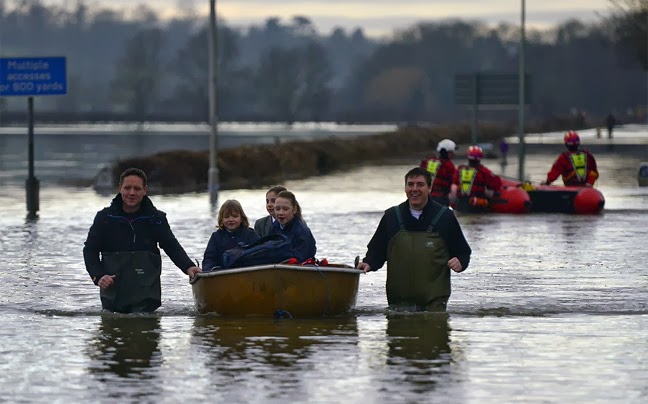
point(33, 76)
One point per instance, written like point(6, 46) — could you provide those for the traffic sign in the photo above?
point(33, 76)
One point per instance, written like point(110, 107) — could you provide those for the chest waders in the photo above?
point(137, 282)
point(579, 163)
point(417, 267)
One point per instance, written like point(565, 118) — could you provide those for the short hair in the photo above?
point(418, 171)
point(293, 201)
point(232, 206)
point(277, 189)
point(132, 171)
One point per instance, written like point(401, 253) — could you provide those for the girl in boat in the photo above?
point(262, 226)
point(233, 228)
point(290, 223)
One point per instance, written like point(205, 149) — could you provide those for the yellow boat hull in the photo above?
point(268, 290)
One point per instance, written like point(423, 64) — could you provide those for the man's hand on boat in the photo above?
point(106, 281)
point(363, 266)
point(192, 271)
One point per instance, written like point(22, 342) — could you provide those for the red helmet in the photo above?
point(572, 139)
point(475, 153)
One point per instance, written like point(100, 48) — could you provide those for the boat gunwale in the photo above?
point(256, 268)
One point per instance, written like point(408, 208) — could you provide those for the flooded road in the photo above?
point(553, 308)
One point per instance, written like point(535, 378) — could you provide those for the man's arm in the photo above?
point(556, 170)
point(172, 247)
point(91, 251)
point(457, 245)
point(377, 247)
point(592, 174)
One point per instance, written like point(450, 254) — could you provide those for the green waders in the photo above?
point(137, 282)
point(417, 268)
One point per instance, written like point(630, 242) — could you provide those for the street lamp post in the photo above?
point(521, 96)
point(213, 182)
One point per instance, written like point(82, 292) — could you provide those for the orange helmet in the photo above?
point(475, 153)
point(572, 139)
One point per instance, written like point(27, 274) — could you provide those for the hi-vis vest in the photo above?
point(467, 177)
point(433, 168)
point(417, 267)
point(579, 163)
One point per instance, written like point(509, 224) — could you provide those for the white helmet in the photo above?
point(447, 144)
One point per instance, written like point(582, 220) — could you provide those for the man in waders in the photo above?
point(121, 252)
point(421, 241)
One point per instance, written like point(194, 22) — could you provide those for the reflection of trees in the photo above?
point(125, 346)
point(419, 347)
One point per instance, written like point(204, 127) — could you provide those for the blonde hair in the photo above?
point(232, 206)
point(293, 201)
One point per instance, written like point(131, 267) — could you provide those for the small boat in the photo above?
point(524, 197)
point(277, 290)
point(560, 199)
point(510, 199)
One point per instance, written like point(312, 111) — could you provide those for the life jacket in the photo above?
point(417, 267)
point(136, 287)
point(578, 175)
point(472, 182)
point(441, 178)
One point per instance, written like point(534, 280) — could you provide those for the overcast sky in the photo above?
point(377, 17)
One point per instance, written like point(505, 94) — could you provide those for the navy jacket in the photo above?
point(114, 230)
point(222, 240)
point(301, 237)
point(447, 227)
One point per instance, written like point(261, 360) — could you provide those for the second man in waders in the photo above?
point(421, 241)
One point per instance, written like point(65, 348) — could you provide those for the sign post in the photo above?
point(33, 76)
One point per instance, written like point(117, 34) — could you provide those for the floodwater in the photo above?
point(554, 308)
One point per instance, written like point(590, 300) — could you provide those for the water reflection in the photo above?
point(419, 348)
point(126, 346)
point(273, 353)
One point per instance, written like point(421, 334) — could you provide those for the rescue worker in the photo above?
point(577, 166)
point(421, 240)
point(121, 252)
point(474, 184)
point(442, 170)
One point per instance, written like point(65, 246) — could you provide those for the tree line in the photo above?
point(139, 67)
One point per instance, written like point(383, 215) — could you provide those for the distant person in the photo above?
point(421, 241)
point(121, 252)
point(504, 148)
point(262, 226)
point(473, 183)
point(577, 166)
point(291, 224)
point(233, 229)
point(610, 122)
point(441, 169)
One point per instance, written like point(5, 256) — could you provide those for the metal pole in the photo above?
point(521, 100)
point(31, 185)
point(475, 112)
point(213, 182)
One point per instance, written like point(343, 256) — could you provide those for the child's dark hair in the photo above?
point(277, 189)
point(293, 201)
point(232, 206)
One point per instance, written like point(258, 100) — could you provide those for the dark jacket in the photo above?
point(262, 226)
point(301, 237)
point(448, 228)
point(114, 230)
point(222, 240)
